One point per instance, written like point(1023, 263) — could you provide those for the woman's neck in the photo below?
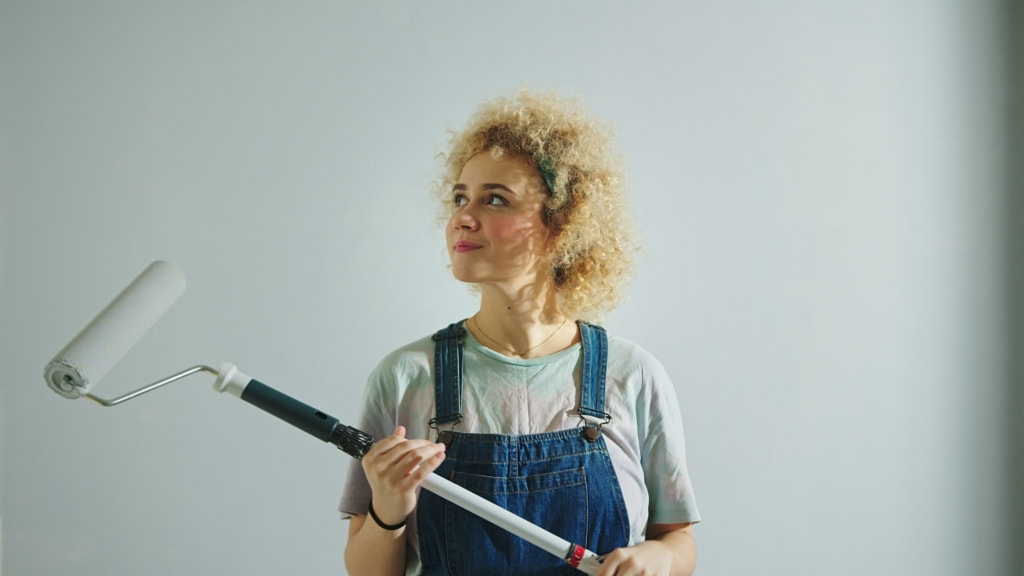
point(523, 327)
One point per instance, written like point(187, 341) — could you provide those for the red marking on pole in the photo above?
point(577, 555)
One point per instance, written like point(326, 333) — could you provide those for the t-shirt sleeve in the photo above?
point(376, 418)
point(672, 498)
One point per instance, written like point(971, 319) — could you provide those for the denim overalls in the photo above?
point(562, 481)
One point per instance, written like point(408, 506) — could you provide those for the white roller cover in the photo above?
point(95, 350)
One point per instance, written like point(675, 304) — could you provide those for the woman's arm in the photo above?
point(373, 550)
point(394, 467)
point(668, 551)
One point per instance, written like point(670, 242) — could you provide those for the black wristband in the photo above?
point(376, 519)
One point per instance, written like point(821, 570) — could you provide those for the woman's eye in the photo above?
point(492, 200)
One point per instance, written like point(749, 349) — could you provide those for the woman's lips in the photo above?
point(463, 246)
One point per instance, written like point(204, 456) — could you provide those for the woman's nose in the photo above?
point(464, 220)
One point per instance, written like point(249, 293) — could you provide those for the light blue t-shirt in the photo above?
point(503, 395)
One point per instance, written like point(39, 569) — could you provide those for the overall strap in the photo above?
point(448, 358)
point(595, 364)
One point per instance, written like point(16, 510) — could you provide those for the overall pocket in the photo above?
point(555, 501)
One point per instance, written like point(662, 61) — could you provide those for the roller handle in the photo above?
point(356, 443)
point(352, 441)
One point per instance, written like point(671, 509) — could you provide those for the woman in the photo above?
point(525, 402)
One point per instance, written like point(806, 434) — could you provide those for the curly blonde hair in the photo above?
point(586, 211)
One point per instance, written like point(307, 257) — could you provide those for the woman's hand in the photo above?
point(395, 467)
point(669, 550)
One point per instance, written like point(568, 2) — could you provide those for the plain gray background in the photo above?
point(821, 188)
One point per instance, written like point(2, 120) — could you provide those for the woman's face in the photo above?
point(496, 233)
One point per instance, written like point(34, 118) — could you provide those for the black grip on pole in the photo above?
point(302, 416)
point(352, 441)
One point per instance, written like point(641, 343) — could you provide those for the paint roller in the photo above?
point(80, 365)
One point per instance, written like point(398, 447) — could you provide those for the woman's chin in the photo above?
point(467, 275)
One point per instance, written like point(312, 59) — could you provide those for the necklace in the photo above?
point(514, 352)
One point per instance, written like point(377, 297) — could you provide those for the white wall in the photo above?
point(818, 185)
